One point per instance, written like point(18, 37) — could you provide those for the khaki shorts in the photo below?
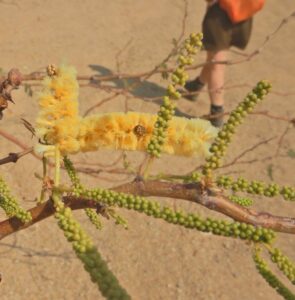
point(220, 33)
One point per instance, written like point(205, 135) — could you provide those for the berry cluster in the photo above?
point(288, 193)
point(218, 148)
point(270, 278)
point(93, 217)
point(88, 254)
point(191, 45)
point(193, 177)
point(90, 213)
point(256, 187)
point(284, 263)
point(119, 220)
point(167, 109)
point(71, 228)
point(243, 201)
point(101, 274)
point(10, 205)
point(71, 171)
point(161, 125)
point(153, 208)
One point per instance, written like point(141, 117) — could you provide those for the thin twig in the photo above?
point(107, 99)
point(14, 157)
point(101, 165)
point(281, 139)
point(37, 76)
point(235, 160)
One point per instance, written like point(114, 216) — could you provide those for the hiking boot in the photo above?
point(193, 86)
point(216, 113)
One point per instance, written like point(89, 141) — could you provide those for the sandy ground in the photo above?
point(153, 260)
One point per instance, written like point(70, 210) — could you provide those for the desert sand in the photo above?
point(153, 260)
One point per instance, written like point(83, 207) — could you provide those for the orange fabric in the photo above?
point(241, 10)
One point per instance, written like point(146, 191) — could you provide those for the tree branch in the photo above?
point(213, 200)
point(14, 157)
point(41, 212)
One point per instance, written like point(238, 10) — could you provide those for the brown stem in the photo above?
point(191, 192)
point(41, 212)
point(14, 157)
point(218, 202)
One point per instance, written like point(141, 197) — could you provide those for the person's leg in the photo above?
point(213, 76)
point(193, 86)
point(206, 70)
point(201, 80)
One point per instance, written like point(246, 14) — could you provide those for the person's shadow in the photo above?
point(145, 90)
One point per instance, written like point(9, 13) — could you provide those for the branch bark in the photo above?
point(213, 200)
point(14, 157)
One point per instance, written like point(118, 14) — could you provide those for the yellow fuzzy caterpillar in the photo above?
point(58, 120)
point(59, 124)
point(132, 131)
